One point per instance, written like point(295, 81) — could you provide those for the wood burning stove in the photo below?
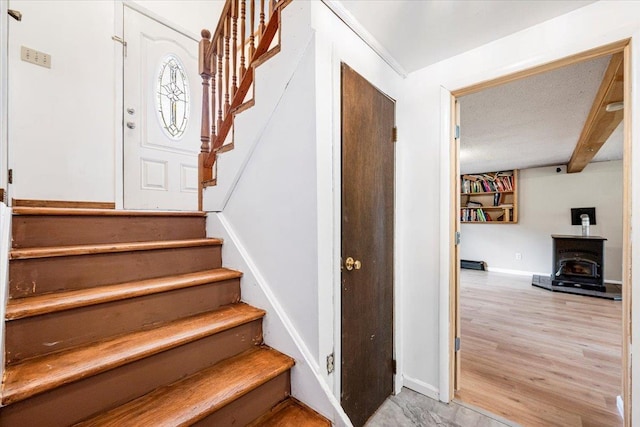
point(578, 261)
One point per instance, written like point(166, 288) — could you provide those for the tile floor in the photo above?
point(409, 408)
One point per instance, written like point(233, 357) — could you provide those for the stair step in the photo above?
point(291, 413)
point(42, 227)
point(134, 306)
point(102, 212)
point(50, 303)
point(35, 271)
point(194, 398)
point(96, 394)
point(59, 251)
point(40, 374)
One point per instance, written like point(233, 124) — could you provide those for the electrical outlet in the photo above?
point(35, 57)
point(518, 256)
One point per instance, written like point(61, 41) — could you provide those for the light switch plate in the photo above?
point(35, 57)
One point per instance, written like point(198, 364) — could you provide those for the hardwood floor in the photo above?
point(536, 357)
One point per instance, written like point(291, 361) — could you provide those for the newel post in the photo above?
point(205, 127)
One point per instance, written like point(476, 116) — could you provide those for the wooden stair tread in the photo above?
point(58, 251)
point(50, 303)
point(101, 212)
point(291, 413)
point(187, 401)
point(43, 373)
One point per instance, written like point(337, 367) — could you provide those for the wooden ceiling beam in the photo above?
point(600, 123)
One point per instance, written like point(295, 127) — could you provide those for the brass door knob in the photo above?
point(352, 264)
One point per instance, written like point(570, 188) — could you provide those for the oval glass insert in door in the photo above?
point(172, 97)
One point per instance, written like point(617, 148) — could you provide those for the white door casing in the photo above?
point(161, 144)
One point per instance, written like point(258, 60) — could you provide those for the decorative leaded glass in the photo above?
point(172, 97)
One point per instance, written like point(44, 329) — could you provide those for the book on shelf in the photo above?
point(474, 215)
point(487, 182)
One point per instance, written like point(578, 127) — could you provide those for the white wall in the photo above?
point(189, 15)
point(61, 120)
point(545, 199)
point(273, 207)
point(64, 123)
point(424, 164)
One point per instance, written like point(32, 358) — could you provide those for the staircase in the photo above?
point(129, 319)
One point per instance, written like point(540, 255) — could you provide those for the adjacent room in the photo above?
point(540, 309)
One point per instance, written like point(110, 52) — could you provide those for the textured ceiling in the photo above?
point(532, 122)
point(418, 33)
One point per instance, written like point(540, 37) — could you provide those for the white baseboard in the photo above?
point(620, 405)
point(516, 272)
point(421, 387)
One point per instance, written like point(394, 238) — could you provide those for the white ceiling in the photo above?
point(532, 122)
point(418, 33)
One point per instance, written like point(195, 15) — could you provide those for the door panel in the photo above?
point(161, 106)
point(367, 236)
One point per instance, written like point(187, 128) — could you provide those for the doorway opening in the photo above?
point(479, 289)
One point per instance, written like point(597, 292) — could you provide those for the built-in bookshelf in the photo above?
point(489, 198)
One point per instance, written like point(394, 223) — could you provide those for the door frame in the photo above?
point(118, 51)
point(4, 97)
point(452, 222)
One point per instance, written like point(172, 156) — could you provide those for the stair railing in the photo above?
point(226, 65)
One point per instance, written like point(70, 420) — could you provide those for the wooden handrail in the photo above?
point(226, 79)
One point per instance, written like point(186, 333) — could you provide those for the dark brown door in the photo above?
point(368, 118)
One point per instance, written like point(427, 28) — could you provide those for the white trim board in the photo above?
point(422, 388)
point(148, 13)
point(118, 93)
point(345, 16)
point(444, 342)
point(4, 94)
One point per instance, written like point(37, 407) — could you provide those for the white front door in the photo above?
point(162, 97)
